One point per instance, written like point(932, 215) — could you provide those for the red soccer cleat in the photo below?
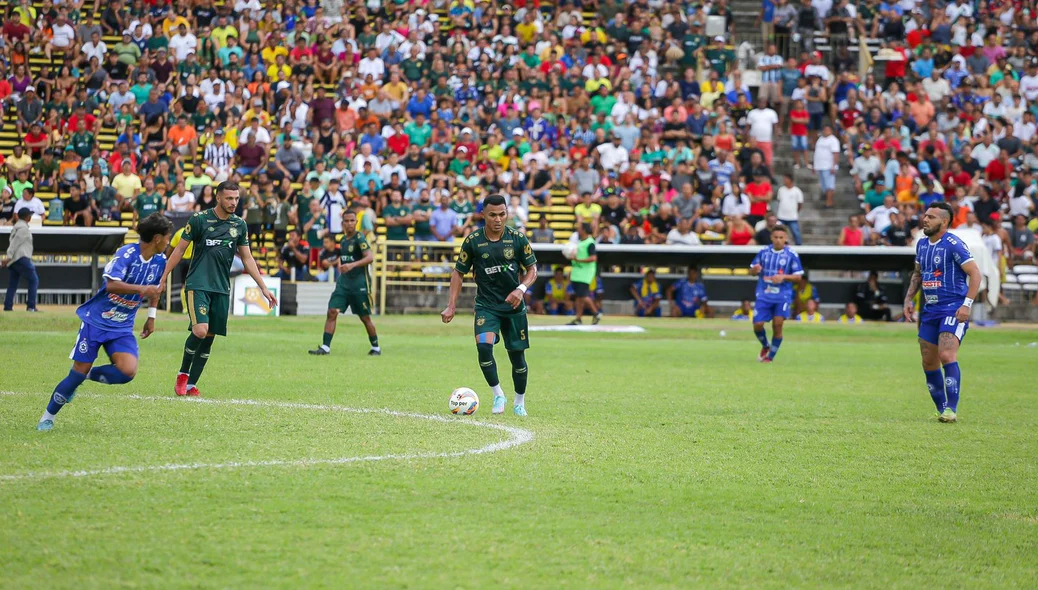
point(763, 354)
point(181, 387)
point(767, 360)
point(193, 391)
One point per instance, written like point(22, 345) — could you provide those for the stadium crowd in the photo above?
point(626, 115)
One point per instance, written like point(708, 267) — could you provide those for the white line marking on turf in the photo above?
point(517, 436)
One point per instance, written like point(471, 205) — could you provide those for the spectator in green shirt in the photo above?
point(418, 131)
point(398, 219)
point(148, 201)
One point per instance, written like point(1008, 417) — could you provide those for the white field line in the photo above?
point(517, 436)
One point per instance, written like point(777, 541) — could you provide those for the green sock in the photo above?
point(190, 347)
point(328, 339)
point(487, 364)
point(373, 340)
point(520, 371)
point(201, 357)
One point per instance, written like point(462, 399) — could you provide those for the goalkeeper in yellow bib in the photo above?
point(502, 262)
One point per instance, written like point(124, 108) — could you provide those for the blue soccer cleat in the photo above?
point(499, 405)
point(45, 425)
point(519, 410)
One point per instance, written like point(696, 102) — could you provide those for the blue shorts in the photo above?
point(656, 313)
point(91, 339)
point(799, 143)
point(687, 310)
point(765, 311)
point(931, 327)
point(827, 178)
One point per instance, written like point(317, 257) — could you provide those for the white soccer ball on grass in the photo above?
point(463, 401)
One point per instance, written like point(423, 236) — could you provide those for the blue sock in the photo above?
point(762, 336)
point(64, 392)
point(775, 344)
point(109, 375)
point(952, 379)
point(935, 383)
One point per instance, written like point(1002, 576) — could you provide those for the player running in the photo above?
point(353, 287)
point(778, 268)
point(950, 280)
point(133, 274)
point(217, 234)
point(502, 261)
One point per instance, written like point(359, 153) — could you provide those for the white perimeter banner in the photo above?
point(247, 300)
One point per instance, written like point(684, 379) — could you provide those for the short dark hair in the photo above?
point(25, 214)
point(781, 228)
point(153, 225)
point(495, 199)
point(349, 211)
point(227, 185)
point(943, 207)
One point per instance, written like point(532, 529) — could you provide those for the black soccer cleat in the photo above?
point(318, 352)
point(374, 352)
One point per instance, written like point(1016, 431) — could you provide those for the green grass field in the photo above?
point(665, 459)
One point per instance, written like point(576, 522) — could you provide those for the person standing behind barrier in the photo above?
point(19, 262)
point(582, 272)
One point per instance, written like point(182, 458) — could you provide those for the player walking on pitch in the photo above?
point(353, 287)
point(777, 268)
point(217, 234)
point(950, 280)
point(131, 276)
point(503, 263)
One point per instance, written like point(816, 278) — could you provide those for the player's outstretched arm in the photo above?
point(914, 283)
point(250, 267)
point(174, 259)
point(452, 299)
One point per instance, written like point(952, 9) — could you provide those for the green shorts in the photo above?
point(356, 300)
point(511, 328)
point(208, 307)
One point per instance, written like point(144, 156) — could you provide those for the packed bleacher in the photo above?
point(636, 117)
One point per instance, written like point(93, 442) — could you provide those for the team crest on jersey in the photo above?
point(486, 255)
point(936, 258)
point(509, 253)
point(83, 346)
point(234, 232)
point(151, 277)
point(782, 260)
point(479, 322)
point(350, 249)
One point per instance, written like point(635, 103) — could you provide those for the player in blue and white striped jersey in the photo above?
point(950, 280)
point(133, 275)
point(777, 268)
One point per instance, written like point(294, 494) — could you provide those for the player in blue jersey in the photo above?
point(688, 297)
point(777, 267)
point(134, 274)
point(950, 280)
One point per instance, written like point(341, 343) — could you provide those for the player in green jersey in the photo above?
point(353, 287)
point(502, 261)
point(217, 234)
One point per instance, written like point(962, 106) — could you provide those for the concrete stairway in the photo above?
point(818, 225)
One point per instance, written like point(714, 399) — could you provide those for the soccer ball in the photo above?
point(463, 401)
point(569, 250)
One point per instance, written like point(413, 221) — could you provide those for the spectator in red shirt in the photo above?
point(999, 169)
point(760, 193)
point(14, 31)
point(895, 69)
point(956, 177)
point(399, 141)
point(36, 140)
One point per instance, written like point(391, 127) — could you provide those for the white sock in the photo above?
point(498, 391)
point(519, 398)
point(46, 416)
point(376, 348)
point(326, 348)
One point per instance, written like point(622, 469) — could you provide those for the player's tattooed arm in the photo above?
point(914, 283)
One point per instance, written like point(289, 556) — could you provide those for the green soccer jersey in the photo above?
point(215, 243)
point(497, 267)
point(423, 228)
point(352, 250)
point(146, 204)
point(396, 232)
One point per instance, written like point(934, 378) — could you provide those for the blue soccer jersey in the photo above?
point(783, 262)
point(689, 296)
point(113, 312)
point(944, 282)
